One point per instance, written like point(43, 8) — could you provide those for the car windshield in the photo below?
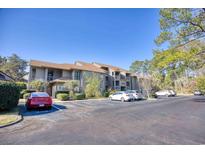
point(39, 94)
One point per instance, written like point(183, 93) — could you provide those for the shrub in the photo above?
point(9, 95)
point(26, 91)
point(79, 96)
point(26, 95)
point(200, 83)
point(21, 85)
point(106, 94)
point(111, 92)
point(61, 92)
point(62, 96)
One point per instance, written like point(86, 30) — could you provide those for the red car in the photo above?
point(39, 100)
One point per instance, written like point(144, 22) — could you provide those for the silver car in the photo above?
point(136, 94)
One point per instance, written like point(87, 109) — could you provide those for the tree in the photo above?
point(200, 83)
point(37, 85)
point(71, 85)
point(181, 26)
point(92, 88)
point(14, 66)
point(140, 66)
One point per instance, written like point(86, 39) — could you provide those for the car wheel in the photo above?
point(122, 99)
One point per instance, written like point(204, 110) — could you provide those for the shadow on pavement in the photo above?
point(200, 99)
point(40, 111)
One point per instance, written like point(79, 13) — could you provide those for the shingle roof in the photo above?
point(84, 66)
point(112, 67)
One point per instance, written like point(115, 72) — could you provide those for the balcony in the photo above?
point(128, 78)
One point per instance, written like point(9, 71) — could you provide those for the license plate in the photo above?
point(41, 105)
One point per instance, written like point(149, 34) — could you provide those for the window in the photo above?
point(128, 84)
point(77, 75)
point(50, 75)
point(117, 73)
point(106, 78)
point(33, 74)
point(117, 83)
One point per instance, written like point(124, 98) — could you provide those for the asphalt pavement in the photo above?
point(174, 120)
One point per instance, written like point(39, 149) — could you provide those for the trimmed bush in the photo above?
point(79, 96)
point(62, 97)
point(21, 85)
point(25, 92)
point(61, 92)
point(26, 95)
point(9, 95)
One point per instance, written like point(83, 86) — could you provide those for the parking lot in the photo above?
point(174, 120)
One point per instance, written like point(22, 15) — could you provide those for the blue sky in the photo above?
point(111, 36)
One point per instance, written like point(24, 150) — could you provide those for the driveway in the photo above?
point(177, 120)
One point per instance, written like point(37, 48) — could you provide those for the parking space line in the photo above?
point(56, 107)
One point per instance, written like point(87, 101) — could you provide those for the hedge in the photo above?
point(78, 96)
point(9, 95)
point(21, 85)
point(61, 92)
point(26, 95)
point(62, 96)
point(25, 92)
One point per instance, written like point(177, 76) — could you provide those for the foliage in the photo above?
point(106, 94)
point(62, 96)
point(71, 85)
point(181, 25)
point(25, 91)
point(9, 95)
point(79, 96)
point(61, 92)
point(200, 83)
point(111, 91)
point(14, 66)
point(140, 66)
point(37, 85)
point(21, 85)
point(26, 95)
point(92, 88)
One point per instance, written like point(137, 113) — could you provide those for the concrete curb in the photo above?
point(84, 100)
point(15, 122)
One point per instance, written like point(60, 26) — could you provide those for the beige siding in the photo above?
point(40, 74)
point(67, 74)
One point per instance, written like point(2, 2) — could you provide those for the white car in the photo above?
point(136, 94)
point(173, 93)
point(122, 96)
point(198, 93)
point(166, 93)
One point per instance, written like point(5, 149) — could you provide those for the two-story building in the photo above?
point(57, 74)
